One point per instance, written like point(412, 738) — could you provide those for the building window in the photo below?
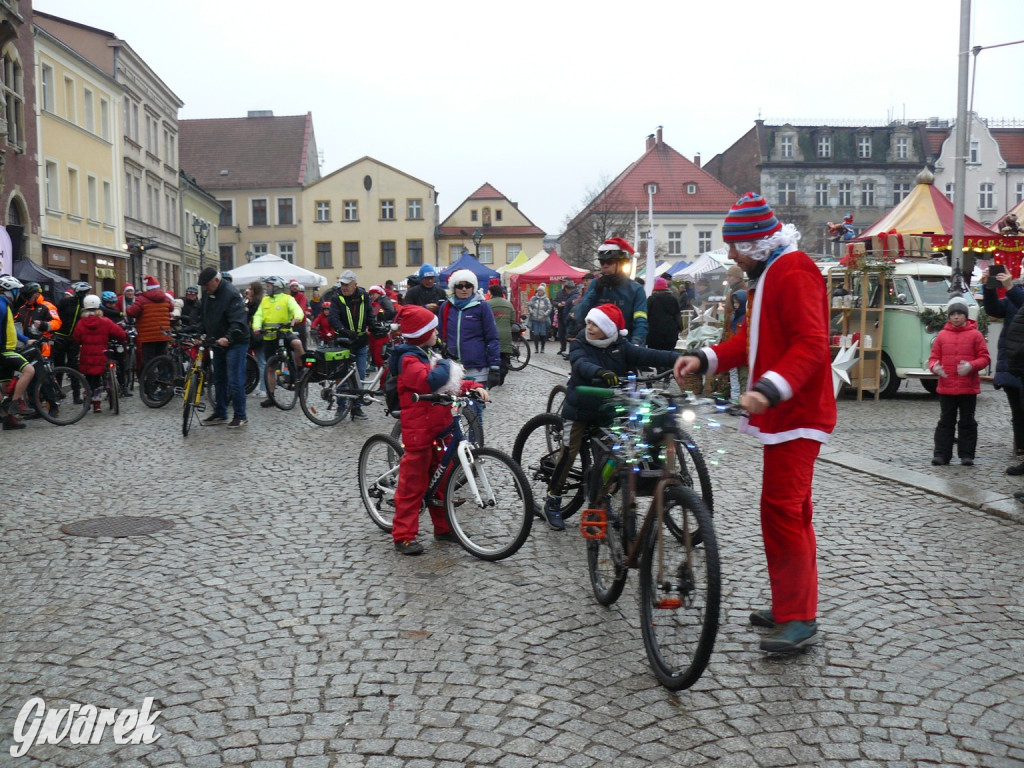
point(70, 113)
point(824, 146)
point(472, 215)
point(416, 209)
point(902, 148)
point(786, 146)
point(286, 251)
point(323, 210)
point(14, 98)
point(974, 151)
point(704, 241)
point(108, 203)
point(351, 210)
point(92, 198)
point(821, 194)
point(285, 211)
point(486, 254)
point(512, 251)
point(47, 78)
point(227, 258)
point(387, 210)
point(227, 213)
point(105, 119)
point(675, 243)
point(1020, 191)
point(864, 147)
point(455, 253)
point(691, 189)
point(171, 205)
point(414, 255)
point(351, 254)
point(497, 214)
point(845, 194)
point(87, 111)
point(388, 253)
point(260, 249)
point(867, 194)
point(900, 192)
point(986, 196)
point(950, 190)
point(73, 208)
point(787, 193)
point(259, 212)
point(323, 256)
point(52, 191)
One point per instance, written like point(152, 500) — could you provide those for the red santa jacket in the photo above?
point(152, 312)
point(785, 340)
point(422, 422)
point(953, 344)
point(93, 333)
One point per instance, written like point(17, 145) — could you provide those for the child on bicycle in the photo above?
point(420, 373)
point(599, 357)
point(93, 333)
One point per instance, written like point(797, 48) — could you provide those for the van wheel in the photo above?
point(931, 386)
point(888, 382)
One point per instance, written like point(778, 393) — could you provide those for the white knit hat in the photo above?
point(463, 276)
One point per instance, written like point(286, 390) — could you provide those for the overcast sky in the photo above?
point(547, 100)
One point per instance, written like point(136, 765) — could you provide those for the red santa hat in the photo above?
point(611, 247)
point(416, 322)
point(375, 289)
point(151, 282)
point(608, 318)
point(128, 287)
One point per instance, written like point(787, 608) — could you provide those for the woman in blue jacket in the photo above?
point(1006, 308)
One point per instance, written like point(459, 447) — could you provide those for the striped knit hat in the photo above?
point(751, 218)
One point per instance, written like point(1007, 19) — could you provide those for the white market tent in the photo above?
point(709, 261)
point(271, 265)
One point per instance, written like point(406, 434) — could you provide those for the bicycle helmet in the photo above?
point(614, 248)
point(30, 290)
point(108, 296)
point(81, 288)
point(92, 301)
point(276, 284)
point(10, 285)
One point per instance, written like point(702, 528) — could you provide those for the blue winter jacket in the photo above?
point(471, 334)
point(628, 296)
point(1005, 308)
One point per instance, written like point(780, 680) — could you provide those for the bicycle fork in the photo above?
point(466, 460)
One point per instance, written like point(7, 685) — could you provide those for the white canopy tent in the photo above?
point(709, 261)
point(271, 265)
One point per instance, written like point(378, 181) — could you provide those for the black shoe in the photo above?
point(763, 617)
point(237, 423)
point(1018, 495)
point(967, 462)
point(78, 399)
point(213, 420)
point(1016, 469)
point(411, 547)
point(446, 536)
point(938, 461)
point(13, 422)
point(358, 415)
point(267, 403)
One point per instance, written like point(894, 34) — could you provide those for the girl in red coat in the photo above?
point(421, 424)
point(322, 324)
point(958, 353)
point(93, 333)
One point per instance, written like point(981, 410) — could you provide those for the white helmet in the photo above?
point(9, 283)
point(92, 301)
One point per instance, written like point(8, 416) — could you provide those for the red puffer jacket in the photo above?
point(93, 333)
point(952, 345)
point(152, 312)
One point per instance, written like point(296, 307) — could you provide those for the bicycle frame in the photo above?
point(457, 447)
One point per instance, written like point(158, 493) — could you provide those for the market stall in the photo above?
point(523, 281)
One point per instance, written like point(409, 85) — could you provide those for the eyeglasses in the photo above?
point(463, 286)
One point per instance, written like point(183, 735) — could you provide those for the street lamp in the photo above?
point(137, 248)
point(201, 229)
point(477, 237)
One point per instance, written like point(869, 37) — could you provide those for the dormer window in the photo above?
point(824, 146)
point(652, 189)
point(786, 146)
point(691, 189)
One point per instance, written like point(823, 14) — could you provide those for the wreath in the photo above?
point(935, 319)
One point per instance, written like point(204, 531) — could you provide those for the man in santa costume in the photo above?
point(790, 402)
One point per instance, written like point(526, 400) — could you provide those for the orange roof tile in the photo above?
point(1011, 144)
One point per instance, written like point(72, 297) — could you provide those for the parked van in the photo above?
point(912, 288)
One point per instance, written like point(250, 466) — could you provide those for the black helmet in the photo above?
point(30, 289)
point(81, 288)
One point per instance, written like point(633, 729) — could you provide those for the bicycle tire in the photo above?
point(468, 421)
point(536, 450)
point(498, 526)
point(555, 399)
point(128, 366)
point(606, 558)
point(158, 380)
point(680, 592)
point(377, 470)
point(280, 370)
point(320, 402)
point(193, 393)
point(112, 390)
point(252, 374)
point(57, 405)
point(520, 357)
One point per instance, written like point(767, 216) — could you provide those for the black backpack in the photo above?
point(391, 401)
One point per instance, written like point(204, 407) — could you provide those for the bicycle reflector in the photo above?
point(593, 524)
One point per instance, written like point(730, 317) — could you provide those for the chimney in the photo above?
point(650, 142)
point(659, 136)
point(696, 159)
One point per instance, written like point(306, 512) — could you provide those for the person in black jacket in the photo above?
point(1006, 308)
point(663, 317)
point(350, 317)
point(426, 293)
point(226, 324)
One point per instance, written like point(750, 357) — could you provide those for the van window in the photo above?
point(933, 289)
point(898, 286)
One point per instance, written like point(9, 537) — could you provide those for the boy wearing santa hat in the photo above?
point(420, 373)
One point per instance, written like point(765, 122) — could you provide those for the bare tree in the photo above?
point(602, 213)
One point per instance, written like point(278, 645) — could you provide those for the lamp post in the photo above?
point(477, 237)
point(201, 229)
point(137, 248)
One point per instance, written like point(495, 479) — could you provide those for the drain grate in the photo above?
point(116, 527)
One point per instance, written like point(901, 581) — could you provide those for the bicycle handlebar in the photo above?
point(442, 398)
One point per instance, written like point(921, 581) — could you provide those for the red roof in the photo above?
point(256, 152)
point(493, 232)
point(486, 192)
point(1011, 144)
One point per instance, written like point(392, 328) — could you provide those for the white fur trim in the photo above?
point(712, 360)
point(785, 391)
point(602, 321)
point(456, 375)
point(463, 276)
point(431, 325)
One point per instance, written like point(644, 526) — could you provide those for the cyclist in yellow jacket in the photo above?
point(278, 307)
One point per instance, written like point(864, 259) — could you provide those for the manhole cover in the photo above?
point(116, 527)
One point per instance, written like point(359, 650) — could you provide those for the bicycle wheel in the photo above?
point(156, 385)
point(320, 400)
point(556, 398)
point(193, 393)
point(691, 461)
point(281, 371)
point(495, 526)
point(468, 420)
point(129, 363)
point(680, 586)
point(536, 451)
point(54, 399)
point(252, 374)
point(112, 393)
point(606, 557)
point(378, 478)
point(520, 355)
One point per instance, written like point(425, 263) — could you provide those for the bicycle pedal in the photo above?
point(200, 407)
point(593, 524)
point(179, 391)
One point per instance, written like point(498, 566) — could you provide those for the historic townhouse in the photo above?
point(490, 226)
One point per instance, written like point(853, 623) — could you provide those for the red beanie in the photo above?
point(415, 322)
point(608, 318)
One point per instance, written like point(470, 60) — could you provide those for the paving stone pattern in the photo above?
point(276, 627)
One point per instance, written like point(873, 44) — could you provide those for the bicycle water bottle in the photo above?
point(608, 470)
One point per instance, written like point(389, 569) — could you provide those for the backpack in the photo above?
point(391, 401)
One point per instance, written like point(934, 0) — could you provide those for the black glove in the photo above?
point(493, 379)
point(608, 378)
point(348, 335)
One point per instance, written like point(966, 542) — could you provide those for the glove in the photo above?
point(493, 378)
point(608, 378)
point(963, 368)
point(348, 335)
point(939, 371)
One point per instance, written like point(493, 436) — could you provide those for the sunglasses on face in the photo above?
point(463, 286)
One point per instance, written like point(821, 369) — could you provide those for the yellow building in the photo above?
point(370, 218)
point(201, 214)
point(490, 226)
point(77, 109)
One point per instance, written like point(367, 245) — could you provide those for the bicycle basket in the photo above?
point(324, 363)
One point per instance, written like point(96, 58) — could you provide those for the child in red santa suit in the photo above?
point(419, 372)
point(790, 402)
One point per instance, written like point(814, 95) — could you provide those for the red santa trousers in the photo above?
point(789, 542)
point(376, 349)
point(414, 472)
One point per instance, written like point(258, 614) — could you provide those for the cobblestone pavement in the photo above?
point(275, 627)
